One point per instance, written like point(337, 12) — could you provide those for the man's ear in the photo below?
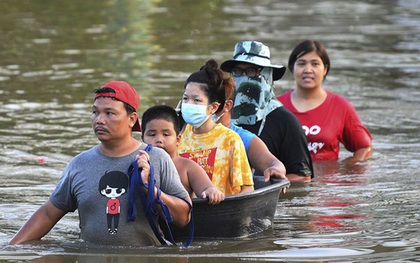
point(133, 118)
point(228, 105)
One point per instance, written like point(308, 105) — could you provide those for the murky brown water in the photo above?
point(54, 53)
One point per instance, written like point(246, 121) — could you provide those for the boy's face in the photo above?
point(161, 133)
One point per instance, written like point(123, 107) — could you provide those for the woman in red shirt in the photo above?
point(328, 119)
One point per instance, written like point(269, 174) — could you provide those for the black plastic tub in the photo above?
point(238, 216)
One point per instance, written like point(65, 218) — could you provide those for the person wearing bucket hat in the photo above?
point(253, 52)
point(97, 182)
point(256, 108)
point(328, 119)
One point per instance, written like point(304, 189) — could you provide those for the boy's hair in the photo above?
point(160, 112)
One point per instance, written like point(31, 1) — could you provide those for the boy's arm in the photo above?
point(201, 183)
point(40, 223)
point(247, 188)
point(197, 177)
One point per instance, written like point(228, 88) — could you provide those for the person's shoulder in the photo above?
point(285, 95)
point(338, 99)
point(187, 163)
point(226, 133)
point(281, 112)
point(241, 131)
point(335, 96)
point(229, 132)
point(221, 127)
point(282, 118)
point(158, 152)
point(82, 156)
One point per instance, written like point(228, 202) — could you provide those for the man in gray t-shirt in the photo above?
point(96, 182)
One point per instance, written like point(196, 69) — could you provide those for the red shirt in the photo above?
point(332, 122)
point(113, 206)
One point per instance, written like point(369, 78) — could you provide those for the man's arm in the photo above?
point(298, 178)
point(263, 161)
point(294, 150)
point(180, 210)
point(40, 223)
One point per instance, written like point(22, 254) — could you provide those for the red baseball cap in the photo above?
point(123, 92)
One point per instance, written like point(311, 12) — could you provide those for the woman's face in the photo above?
point(309, 71)
point(193, 94)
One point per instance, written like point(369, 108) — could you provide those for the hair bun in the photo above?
point(211, 64)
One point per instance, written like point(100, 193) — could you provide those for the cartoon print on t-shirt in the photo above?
point(113, 185)
point(313, 131)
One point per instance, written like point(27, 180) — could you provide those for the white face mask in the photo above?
point(195, 115)
point(217, 118)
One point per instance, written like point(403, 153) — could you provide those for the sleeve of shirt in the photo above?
point(355, 134)
point(62, 196)
point(246, 136)
point(293, 149)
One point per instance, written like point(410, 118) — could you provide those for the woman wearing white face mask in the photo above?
point(217, 149)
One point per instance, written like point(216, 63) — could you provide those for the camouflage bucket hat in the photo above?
point(256, 53)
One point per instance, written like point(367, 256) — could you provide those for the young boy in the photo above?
point(161, 127)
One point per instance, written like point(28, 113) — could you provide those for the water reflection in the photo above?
point(200, 31)
point(53, 56)
point(62, 51)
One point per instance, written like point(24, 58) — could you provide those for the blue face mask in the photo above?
point(195, 115)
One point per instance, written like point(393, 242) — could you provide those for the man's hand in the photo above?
point(143, 162)
point(276, 173)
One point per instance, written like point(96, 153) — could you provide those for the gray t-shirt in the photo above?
point(97, 185)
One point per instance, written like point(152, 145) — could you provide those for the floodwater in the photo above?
point(53, 54)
